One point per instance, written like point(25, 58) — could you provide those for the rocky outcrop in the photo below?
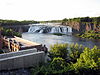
point(81, 26)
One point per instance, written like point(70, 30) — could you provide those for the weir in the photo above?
point(37, 28)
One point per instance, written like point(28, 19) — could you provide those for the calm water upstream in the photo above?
point(50, 39)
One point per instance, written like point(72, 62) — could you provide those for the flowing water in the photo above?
point(43, 34)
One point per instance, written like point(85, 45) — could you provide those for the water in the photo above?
point(42, 33)
point(50, 39)
point(50, 29)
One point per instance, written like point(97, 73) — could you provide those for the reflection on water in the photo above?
point(50, 39)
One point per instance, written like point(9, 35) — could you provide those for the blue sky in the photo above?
point(48, 9)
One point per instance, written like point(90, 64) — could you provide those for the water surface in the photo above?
point(50, 39)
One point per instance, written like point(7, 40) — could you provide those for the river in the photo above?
point(49, 39)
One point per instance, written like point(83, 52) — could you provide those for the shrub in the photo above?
point(74, 51)
point(90, 35)
point(89, 59)
point(10, 32)
point(59, 50)
point(58, 63)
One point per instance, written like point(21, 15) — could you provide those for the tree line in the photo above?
point(95, 20)
point(15, 22)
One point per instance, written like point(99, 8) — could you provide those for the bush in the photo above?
point(59, 50)
point(58, 63)
point(89, 59)
point(90, 35)
point(86, 61)
point(10, 32)
point(74, 51)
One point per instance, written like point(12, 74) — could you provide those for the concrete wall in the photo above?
point(21, 52)
point(22, 59)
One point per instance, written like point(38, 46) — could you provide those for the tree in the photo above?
point(74, 51)
point(65, 20)
point(59, 50)
point(58, 63)
point(89, 59)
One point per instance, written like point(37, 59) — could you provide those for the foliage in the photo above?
point(59, 50)
point(57, 63)
point(10, 32)
point(88, 61)
point(65, 20)
point(15, 22)
point(95, 20)
point(75, 51)
point(59, 34)
point(90, 35)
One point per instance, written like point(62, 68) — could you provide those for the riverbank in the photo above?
point(90, 35)
point(73, 59)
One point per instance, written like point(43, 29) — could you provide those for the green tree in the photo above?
point(58, 63)
point(74, 51)
point(59, 50)
point(89, 59)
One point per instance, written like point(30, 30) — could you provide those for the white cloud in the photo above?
point(47, 9)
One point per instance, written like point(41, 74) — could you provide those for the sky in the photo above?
point(40, 10)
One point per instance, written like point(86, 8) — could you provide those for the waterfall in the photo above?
point(50, 29)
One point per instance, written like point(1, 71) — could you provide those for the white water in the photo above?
point(49, 29)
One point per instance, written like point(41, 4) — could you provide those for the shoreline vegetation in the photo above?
point(90, 35)
point(73, 59)
point(9, 32)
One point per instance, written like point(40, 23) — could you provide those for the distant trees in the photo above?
point(95, 20)
point(15, 22)
point(65, 20)
point(84, 19)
